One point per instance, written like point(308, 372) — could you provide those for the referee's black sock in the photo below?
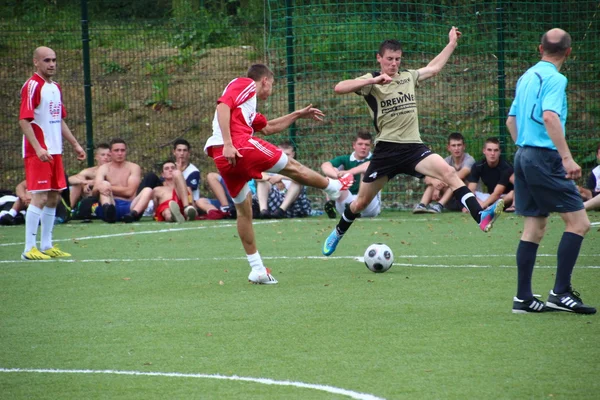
point(568, 251)
point(464, 196)
point(526, 254)
point(347, 219)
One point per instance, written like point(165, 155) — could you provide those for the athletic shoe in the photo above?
point(436, 208)
point(568, 301)
point(190, 213)
point(35, 254)
point(346, 180)
point(420, 209)
point(329, 209)
point(490, 214)
point(331, 242)
point(527, 306)
point(7, 219)
point(110, 213)
point(55, 252)
point(279, 213)
point(132, 216)
point(176, 215)
point(264, 278)
point(264, 214)
point(215, 214)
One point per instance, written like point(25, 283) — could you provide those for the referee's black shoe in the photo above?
point(568, 301)
point(527, 306)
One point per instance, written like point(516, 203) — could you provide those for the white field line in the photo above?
point(264, 381)
point(359, 259)
point(165, 230)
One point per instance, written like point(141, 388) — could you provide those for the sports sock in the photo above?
point(12, 212)
point(34, 214)
point(47, 220)
point(333, 186)
point(568, 251)
point(464, 196)
point(526, 254)
point(255, 262)
point(347, 219)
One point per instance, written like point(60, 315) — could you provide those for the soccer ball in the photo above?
point(379, 257)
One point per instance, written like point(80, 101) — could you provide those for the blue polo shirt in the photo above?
point(541, 88)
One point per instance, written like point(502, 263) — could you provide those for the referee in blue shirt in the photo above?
point(544, 174)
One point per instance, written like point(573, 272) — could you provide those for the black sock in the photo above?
point(526, 254)
point(465, 197)
point(568, 251)
point(347, 219)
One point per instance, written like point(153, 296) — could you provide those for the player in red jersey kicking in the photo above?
point(240, 156)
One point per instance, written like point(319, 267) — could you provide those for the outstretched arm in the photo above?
point(281, 123)
point(435, 66)
point(352, 85)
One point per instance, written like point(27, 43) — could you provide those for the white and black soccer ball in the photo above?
point(379, 257)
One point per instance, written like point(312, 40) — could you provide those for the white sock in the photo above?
point(47, 220)
point(34, 214)
point(12, 212)
point(333, 187)
point(255, 262)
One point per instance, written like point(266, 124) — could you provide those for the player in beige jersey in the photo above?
point(390, 96)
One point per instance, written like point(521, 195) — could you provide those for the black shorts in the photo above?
point(390, 159)
point(541, 186)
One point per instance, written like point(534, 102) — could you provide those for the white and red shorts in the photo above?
point(44, 176)
point(258, 156)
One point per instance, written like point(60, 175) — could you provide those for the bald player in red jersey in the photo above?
point(41, 120)
point(240, 156)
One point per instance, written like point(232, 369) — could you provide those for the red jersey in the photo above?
point(240, 96)
point(41, 103)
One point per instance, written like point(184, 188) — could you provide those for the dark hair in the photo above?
point(183, 142)
point(492, 140)
point(456, 136)
point(167, 161)
point(102, 145)
point(389, 44)
point(258, 71)
point(364, 135)
point(116, 141)
point(556, 48)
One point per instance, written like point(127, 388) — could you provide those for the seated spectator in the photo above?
point(355, 164)
point(116, 183)
point(495, 173)
point(173, 198)
point(222, 206)
point(592, 188)
point(437, 190)
point(279, 196)
point(81, 199)
point(13, 209)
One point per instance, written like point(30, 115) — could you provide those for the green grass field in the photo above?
point(164, 311)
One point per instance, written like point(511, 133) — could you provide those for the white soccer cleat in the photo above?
point(262, 278)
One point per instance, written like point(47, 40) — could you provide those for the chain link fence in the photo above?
point(157, 67)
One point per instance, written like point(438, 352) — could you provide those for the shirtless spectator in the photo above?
point(172, 198)
point(81, 184)
point(116, 183)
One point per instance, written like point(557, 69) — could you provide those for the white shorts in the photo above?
point(372, 210)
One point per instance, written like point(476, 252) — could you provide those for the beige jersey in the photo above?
point(393, 107)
